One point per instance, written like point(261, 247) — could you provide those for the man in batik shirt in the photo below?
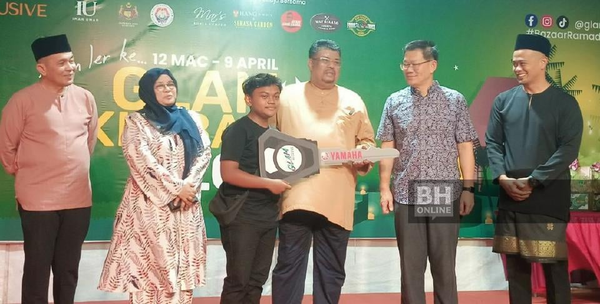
point(430, 126)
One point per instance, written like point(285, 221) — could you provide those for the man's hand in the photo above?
point(518, 189)
point(467, 201)
point(277, 186)
point(525, 181)
point(386, 200)
point(362, 166)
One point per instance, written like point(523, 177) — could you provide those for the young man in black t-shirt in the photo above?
point(250, 239)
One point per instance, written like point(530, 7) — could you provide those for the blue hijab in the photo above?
point(170, 119)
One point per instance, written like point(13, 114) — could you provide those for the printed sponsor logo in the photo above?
point(127, 14)
point(162, 15)
point(252, 19)
point(343, 156)
point(291, 21)
point(209, 17)
point(325, 22)
point(11, 8)
point(361, 25)
point(85, 10)
point(289, 158)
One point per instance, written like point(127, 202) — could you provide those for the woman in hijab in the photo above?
point(158, 248)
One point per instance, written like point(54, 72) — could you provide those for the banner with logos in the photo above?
point(212, 46)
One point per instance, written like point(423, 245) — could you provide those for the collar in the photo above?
point(435, 86)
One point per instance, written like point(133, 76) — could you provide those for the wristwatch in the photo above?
point(534, 183)
point(470, 189)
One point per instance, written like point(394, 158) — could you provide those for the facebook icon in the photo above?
point(531, 20)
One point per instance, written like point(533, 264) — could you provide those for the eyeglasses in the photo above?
point(326, 62)
point(163, 87)
point(405, 66)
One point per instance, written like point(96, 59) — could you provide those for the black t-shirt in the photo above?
point(240, 144)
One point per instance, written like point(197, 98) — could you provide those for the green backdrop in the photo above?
point(213, 45)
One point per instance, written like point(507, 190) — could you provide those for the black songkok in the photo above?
point(47, 46)
point(533, 42)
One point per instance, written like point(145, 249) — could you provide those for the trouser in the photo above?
point(526, 238)
point(297, 230)
point(420, 238)
point(558, 289)
point(52, 241)
point(249, 250)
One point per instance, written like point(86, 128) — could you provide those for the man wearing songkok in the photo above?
point(533, 135)
point(47, 135)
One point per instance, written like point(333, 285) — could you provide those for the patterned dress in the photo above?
point(157, 255)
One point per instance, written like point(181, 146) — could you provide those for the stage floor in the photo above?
point(580, 296)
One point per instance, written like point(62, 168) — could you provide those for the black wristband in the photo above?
point(470, 189)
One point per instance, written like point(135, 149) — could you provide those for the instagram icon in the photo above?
point(547, 21)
